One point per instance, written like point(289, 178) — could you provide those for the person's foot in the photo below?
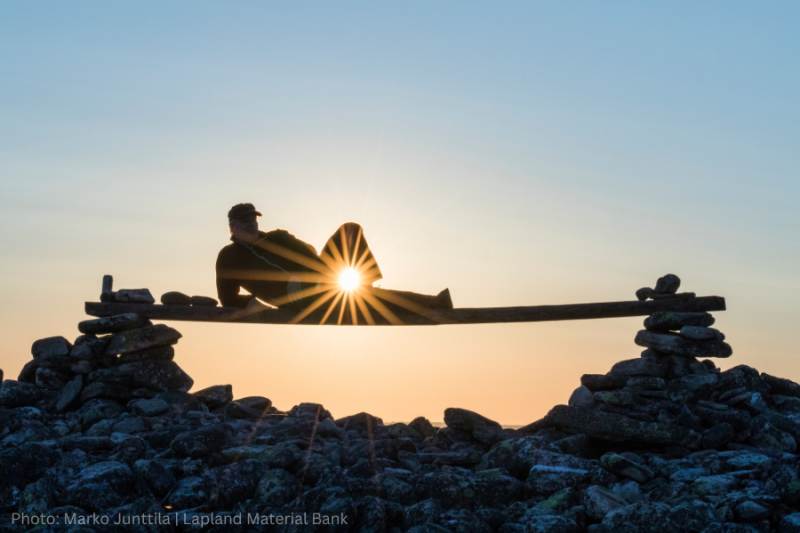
point(442, 300)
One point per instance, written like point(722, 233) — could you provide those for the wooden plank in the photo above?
point(483, 315)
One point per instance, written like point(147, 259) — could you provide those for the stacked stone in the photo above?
point(117, 358)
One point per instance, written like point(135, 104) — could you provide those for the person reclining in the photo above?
point(281, 270)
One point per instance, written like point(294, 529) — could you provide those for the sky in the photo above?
point(521, 153)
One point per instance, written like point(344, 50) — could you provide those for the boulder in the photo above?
point(142, 338)
point(20, 394)
point(233, 483)
point(51, 379)
point(668, 284)
point(101, 487)
point(69, 393)
point(599, 501)
point(216, 396)
point(165, 353)
point(467, 420)
point(581, 397)
point(782, 386)
point(202, 441)
point(51, 346)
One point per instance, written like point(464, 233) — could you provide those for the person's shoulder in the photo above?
point(287, 240)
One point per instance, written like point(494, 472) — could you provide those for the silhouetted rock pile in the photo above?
point(105, 430)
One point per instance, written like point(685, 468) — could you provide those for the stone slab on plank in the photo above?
point(675, 320)
point(134, 296)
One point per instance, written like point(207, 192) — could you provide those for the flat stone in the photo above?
point(544, 479)
point(644, 366)
point(625, 467)
point(175, 298)
point(601, 382)
point(646, 383)
point(143, 338)
point(113, 324)
point(618, 397)
point(148, 407)
point(581, 397)
point(215, 396)
point(668, 284)
point(200, 442)
point(599, 501)
point(699, 333)
point(81, 367)
point(108, 391)
point(261, 403)
point(51, 346)
point(676, 345)
point(203, 301)
point(465, 420)
point(165, 353)
point(713, 485)
point(674, 320)
point(69, 393)
point(619, 428)
point(134, 296)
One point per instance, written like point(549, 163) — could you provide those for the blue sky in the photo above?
point(519, 153)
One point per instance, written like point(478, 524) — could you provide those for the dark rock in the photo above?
point(51, 379)
point(134, 296)
point(37, 498)
point(113, 324)
point(148, 407)
point(200, 442)
point(277, 487)
point(644, 293)
point(81, 367)
point(699, 333)
point(644, 366)
point(157, 375)
point(175, 298)
point(108, 391)
point(189, 492)
point(165, 353)
point(655, 517)
point(676, 345)
point(215, 396)
point(782, 386)
point(93, 411)
point(19, 394)
point(28, 372)
point(581, 397)
point(626, 468)
point(233, 483)
point(238, 411)
point(142, 338)
point(668, 284)
point(465, 420)
point(602, 382)
point(546, 479)
point(599, 501)
point(203, 301)
point(260, 403)
point(456, 487)
point(671, 320)
point(718, 436)
point(51, 346)
point(102, 486)
point(790, 523)
point(750, 511)
point(362, 422)
point(616, 428)
point(312, 410)
point(422, 426)
point(69, 393)
point(158, 478)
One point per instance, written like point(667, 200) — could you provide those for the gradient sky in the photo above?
point(518, 153)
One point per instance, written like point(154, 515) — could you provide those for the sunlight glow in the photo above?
point(349, 279)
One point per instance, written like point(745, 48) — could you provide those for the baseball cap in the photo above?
point(242, 211)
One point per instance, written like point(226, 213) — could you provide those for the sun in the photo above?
point(349, 279)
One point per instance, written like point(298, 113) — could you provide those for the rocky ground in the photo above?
point(103, 430)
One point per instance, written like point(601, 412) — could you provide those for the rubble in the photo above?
point(107, 426)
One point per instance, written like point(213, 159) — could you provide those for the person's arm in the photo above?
point(228, 288)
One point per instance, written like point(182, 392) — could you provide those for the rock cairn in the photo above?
point(105, 429)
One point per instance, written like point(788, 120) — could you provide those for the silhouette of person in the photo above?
point(281, 270)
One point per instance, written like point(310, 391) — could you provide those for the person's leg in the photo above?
point(348, 248)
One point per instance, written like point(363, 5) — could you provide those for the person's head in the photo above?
point(243, 222)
